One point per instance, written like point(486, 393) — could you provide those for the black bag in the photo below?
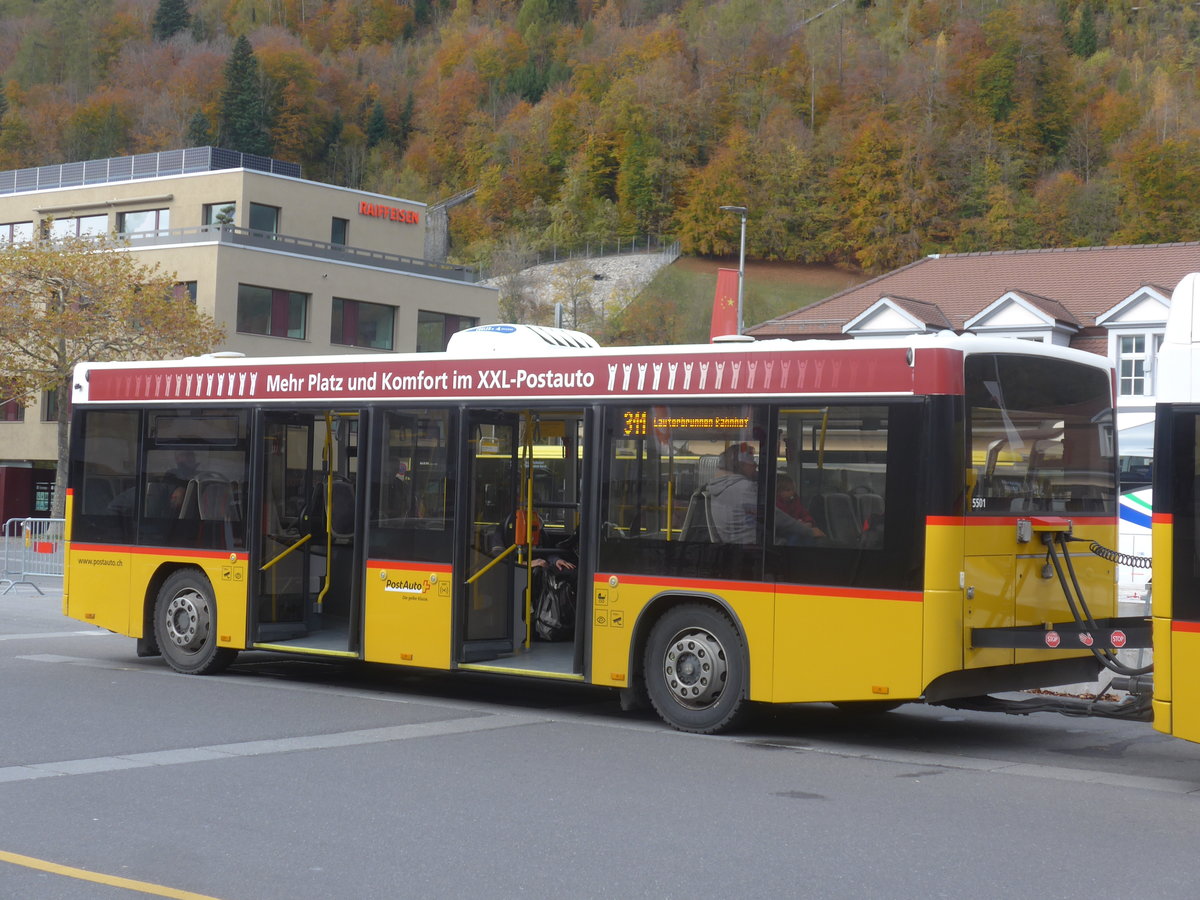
point(554, 613)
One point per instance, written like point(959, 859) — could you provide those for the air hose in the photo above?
point(1079, 608)
point(1121, 559)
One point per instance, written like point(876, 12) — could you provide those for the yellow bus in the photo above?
point(365, 507)
point(1176, 542)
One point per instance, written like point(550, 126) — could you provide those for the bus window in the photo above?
point(194, 476)
point(104, 473)
point(835, 460)
point(669, 505)
point(1040, 436)
point(410, 499)
point(836, 470)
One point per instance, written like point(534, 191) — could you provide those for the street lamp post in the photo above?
point(741, 211)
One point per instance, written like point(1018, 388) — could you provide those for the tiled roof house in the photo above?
point(1107, 300)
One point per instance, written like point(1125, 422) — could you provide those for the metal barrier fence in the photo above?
point(32, 547)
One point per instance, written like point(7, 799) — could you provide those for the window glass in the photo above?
point(103, 475)
point(831, 475)
point(264, 218)
point(338, 231)
point(193, 488)
point(684, 492)
point(220, 213)
point(1039, 436)
point(434, 329)
point(271, 311)
point(81, 226)
point(1132, 365)
point(93, 225)
point(361, 324)
point(412, 498)
point(143, 220)
point(16, 232)
point(49, 406)
point(12, 411)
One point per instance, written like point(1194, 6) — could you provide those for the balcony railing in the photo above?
point(143, 165)
point(266, 240)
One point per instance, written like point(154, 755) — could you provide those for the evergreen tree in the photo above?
point(199, 134)
point(243, 118)
point(1085, 42)
point(4, 102)
point(170, 18)
point(405, 125)
point(377, 126)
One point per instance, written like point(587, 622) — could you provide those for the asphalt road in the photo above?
point(291, 779)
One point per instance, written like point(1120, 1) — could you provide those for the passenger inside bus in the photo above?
point(788, 501)
point(736, 513)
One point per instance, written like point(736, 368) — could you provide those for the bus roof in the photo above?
point(913, 365)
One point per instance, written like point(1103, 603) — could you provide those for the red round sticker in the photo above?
point(1052, 639)
point(1118, 638)
point(1085, 639)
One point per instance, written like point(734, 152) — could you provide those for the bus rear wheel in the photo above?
point(695, 669)
point(185, 625)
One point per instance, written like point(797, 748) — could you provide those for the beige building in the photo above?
point(288, 266)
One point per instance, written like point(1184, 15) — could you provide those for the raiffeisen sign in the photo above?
point(391, 213)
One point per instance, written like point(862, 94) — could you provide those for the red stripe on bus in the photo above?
point(1162, 519)
point(976, 521)
point(1193, 627)
point(173, 552)
point(760, 587)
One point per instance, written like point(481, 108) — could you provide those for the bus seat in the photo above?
point(158, 500)
point(867, 505)
point(698, 522)
point(341, 519)
point(706, 468)
point(209, 497)
point(98, 494)
point(841, 519)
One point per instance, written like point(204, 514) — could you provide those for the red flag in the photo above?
point(725, 311)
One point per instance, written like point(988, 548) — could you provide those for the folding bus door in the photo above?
point(490, 583)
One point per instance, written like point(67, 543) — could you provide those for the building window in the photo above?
point(220, 213)
point(184, 289)
point(271, 311)
point(79, 226)
point(12, 411)
point(143, 220)
point(337, 231)
point(16, 232)
point(1135, 361)
point(434, 329)
point(264, 218)
point(49, 406)
point(360, 324)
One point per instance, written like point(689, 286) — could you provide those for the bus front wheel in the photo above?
point(695, 669)
point(185, 625)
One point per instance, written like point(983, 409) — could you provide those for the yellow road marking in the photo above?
point(144, 887)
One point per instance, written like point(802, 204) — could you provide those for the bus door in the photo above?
point(491, 585)
point(307, 571)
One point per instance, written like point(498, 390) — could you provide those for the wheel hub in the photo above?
point(695, 668)
point(187, 620)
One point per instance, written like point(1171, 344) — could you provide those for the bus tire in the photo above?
point(695, 669)
point(185, 625)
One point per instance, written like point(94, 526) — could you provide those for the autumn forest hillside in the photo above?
point(858, 133)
